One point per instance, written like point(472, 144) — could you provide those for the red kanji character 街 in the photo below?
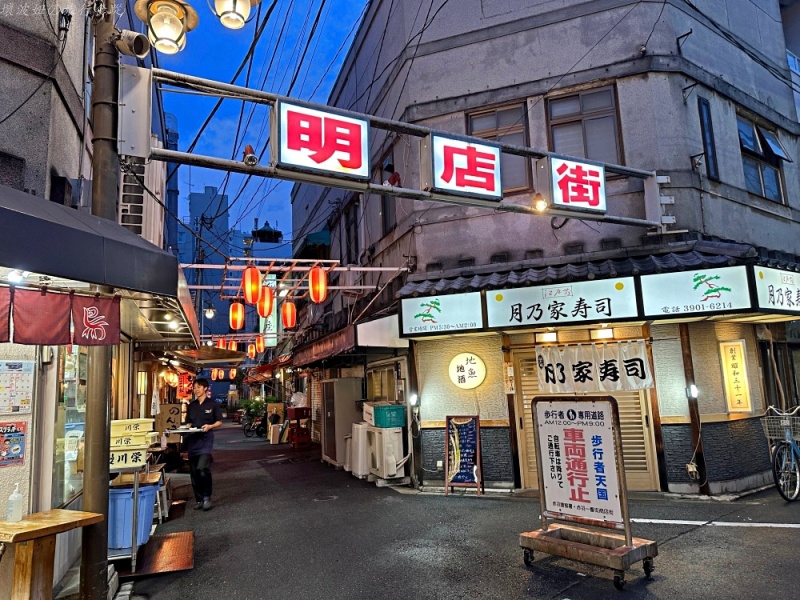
point(579, 185)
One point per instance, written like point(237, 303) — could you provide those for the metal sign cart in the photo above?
point(582, 481)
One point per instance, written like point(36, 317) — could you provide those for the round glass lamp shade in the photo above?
point(232, 14)
point(167, 21)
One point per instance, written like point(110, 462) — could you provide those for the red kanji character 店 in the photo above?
point(478, 172)
point(579, 185)
point(324, 137)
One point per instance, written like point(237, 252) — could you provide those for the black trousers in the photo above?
point(200, 469)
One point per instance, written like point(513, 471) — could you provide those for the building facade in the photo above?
point(691, 92)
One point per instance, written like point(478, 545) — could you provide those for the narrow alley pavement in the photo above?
point(286, 526)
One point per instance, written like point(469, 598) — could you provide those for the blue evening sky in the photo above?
point(214, 52)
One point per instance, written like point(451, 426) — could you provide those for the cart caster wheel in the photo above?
point(527, 557)
point(619, 581)
point(649, 567)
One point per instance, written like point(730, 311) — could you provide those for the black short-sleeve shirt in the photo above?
point(198, 415)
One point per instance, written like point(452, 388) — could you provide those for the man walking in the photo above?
point(202, 413)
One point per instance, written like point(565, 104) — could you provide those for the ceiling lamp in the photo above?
point(236, 315)
point(210, 311)
point(261, 344)
point(167, 22)
point(233, 14)
point(317, 284)
point(251, 350)
point(251, 284)
point(221, 343)
point(264, 304)
point(232, 373)
point(233, 346)
point(288, 314)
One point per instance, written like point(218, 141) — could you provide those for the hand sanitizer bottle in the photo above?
point(15, 508)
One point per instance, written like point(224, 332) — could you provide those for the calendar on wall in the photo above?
point(16, 386)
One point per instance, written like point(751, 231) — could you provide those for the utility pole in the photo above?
point(105, 189)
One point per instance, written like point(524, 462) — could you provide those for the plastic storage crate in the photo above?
point(120, 515)
point(383, 414)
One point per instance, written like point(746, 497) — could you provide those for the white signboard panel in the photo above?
point(329, 142)
point(606, 367)
point(442, 314)
point(586, 301)
point(695, 291)
point(576, 449)
point(777, 290)
point(464, 167)
point(578, 185)
point(269, 326)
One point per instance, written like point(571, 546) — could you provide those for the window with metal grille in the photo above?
point(762, 154)
point(506, 125)
point(584, 125)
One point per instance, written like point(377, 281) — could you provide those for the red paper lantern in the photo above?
point(288, 314)
point(251, 350)
point(233, 346)
point(251, 285)
point(213, 374)
point(221, 343)
point(317, 284)
point(232, 373)
point(261, 344)
point(264, 304)
point(236, 316)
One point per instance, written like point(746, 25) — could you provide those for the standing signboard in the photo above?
point(463, 466)
point(582, 482)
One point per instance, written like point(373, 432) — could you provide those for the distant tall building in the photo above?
point(170, 219)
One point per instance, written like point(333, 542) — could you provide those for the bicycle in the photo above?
point(783, 431)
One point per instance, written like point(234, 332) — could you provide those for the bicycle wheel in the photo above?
point(786, 472)
point(250, 429)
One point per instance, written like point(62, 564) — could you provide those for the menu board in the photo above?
point(16, 386)
point(463, 467)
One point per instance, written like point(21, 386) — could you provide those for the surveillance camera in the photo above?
point(250, 158)
point(132, 43)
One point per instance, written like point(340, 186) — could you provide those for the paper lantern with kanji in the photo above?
point(251, 350)
point(213, 374)
point(221, 343)
point(261, 344)
point(288, 314)
point(232, 373)
point(317, 284)
point(264, 304)
point(251, 285)
point(236, 316)
point(233, 346)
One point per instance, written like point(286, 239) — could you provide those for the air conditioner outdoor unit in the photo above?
point(139, 212)
point(385, 451)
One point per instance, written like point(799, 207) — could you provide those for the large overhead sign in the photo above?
point(777, 290)
point(582, 302)
point(461, 166)
point(695, 291)
point(442, 314)
point(320, 141)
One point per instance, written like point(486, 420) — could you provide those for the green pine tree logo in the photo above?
point(427, 315)
point(709, 286)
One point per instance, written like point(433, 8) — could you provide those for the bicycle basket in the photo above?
point(775, 426)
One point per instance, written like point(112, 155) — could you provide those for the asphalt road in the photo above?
point(286, 526)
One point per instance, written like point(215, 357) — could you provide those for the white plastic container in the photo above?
point(15, 508)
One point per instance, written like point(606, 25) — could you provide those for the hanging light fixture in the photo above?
point(213, 374)
point(264, 304)
point(221, 343)
point(168, 21)
point(232, 373)
point(233, 14)
point(261, 344)
point(233, 346)
point(251, 350)
point(317, 284)
point(251, 284)
point(288, 314)
point(236, 315)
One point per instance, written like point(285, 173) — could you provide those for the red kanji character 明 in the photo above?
point(324, 137)
point(579, 185)
point(478, 172)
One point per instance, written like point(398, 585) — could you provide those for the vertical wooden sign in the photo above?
point(463, 465)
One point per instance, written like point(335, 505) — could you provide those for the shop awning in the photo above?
point(341, 341)
point(43, 237)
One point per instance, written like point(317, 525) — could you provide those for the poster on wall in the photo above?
point(16, 386)
point(606, 367)
point(12, 443)
point(463, 465)
point(734, 375)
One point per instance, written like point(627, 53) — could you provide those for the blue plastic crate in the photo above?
point(120, 515)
